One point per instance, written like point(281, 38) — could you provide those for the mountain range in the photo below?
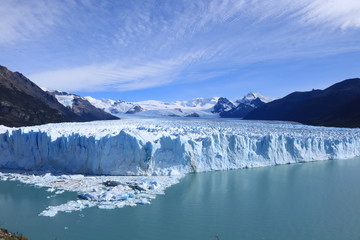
point(81, 107)
point(335, 106)
point(23, 103)
point(199, 107)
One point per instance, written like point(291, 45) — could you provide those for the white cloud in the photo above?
point(328, 13)
point(116, 76)
point(22, 20)
point(26, 20)
point(337, 13)
point(134, 45)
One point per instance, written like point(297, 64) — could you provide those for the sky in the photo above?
point(181, 49)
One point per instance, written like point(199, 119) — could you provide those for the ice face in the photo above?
point(169, 147)
point(154, 147)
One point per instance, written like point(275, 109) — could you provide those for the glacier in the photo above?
point(169, 147)
point(127, 162)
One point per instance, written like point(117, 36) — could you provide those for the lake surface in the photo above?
point(319, 200)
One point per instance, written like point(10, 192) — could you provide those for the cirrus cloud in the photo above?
point(127, 45)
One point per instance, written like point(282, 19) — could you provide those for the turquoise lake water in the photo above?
point(319, 200)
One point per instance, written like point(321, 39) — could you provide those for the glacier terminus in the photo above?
point(145, 156)
point(169, 147)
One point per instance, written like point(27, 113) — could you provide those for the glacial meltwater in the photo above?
point(319, 200)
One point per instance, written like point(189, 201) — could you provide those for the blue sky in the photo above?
point(177, 50)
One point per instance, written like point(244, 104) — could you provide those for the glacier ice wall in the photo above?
point(169, 147)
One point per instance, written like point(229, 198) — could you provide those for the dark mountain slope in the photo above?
point(337, 106)
point(222, 105)
point(240, 111)
point(83, 108)
point(245, 105)
point(22, 103)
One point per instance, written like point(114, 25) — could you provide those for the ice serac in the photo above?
point(169, 147)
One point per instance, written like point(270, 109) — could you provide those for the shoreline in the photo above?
point(7, 235)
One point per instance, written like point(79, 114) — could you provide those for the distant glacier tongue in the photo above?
point(169, 147)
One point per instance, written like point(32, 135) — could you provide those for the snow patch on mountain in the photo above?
point(214, 107)
point(252, 96)
point(111, 106)
point(152, 108)
point(82, 107)
point(66, 99)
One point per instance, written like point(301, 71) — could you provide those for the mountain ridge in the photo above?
point(198, 107)
point(23, 103)
point(335, 106)
point(81, 107)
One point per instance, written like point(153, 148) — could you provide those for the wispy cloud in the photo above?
point(26, 20)
point(115, 76)
point(118, 76)
point(128, 45)
point(336, 13)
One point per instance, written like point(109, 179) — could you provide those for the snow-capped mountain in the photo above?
point(111, 106)
point(23, 103)
point(253, 98)
point(80, 106)
point(223, 105)
point(335, 106)
point(245, 105)
point(199, 107)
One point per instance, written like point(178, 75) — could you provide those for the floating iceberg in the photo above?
point(93, 191)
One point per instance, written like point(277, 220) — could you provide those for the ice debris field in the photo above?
point(127, 162)
point(105, 192)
